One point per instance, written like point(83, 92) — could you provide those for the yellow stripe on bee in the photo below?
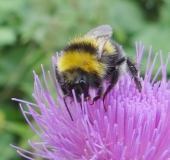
point(85, 61)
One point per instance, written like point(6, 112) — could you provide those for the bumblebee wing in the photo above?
point(61, 53)
point(102, 34)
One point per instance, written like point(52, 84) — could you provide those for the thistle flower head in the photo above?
point(135, 126)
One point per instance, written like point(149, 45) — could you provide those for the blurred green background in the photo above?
point(31, 31)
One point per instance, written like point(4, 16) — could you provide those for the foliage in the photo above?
point(31, 31)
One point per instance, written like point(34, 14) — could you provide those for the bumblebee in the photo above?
point(90, 60)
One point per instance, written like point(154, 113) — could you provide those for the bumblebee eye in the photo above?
point(82, 82)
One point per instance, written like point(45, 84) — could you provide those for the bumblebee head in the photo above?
point(77, 81)
point(81, 87)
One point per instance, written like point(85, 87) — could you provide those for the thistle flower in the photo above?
point(135, 126)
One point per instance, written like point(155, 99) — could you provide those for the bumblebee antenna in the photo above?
point(64, 98)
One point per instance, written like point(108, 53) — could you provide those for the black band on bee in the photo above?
point(81, 47)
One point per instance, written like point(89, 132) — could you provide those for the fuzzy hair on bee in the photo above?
point(90, 60)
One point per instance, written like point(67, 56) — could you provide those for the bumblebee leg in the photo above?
point(134, 71)
point(99, 94)
point(58, 78)
point(114, 80)
point(114, 77)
